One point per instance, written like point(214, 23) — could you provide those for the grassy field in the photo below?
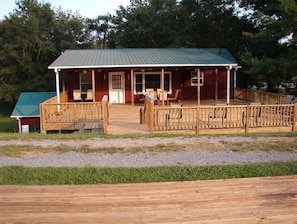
point(7, 124)
point(91, 175)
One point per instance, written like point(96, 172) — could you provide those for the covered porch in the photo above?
point(211, 117)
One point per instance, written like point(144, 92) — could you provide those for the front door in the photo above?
point(117, 87)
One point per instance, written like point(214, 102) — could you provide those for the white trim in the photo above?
point(58, 87)
point(143, 66)
point(34, 116)
point(228, 84)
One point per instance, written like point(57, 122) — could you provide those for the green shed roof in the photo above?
point(28, 104)
point(143, 57)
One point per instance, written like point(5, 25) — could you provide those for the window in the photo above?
point(138, 83)
point(151, 80)
point(85, 82)
point(194, 79)
point(116, 82)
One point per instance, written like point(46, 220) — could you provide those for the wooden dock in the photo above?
point(251, 200)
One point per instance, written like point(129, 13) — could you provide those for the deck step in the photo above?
point(91, 126)
point(125, 119)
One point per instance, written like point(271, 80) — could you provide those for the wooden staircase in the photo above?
point(125, 119)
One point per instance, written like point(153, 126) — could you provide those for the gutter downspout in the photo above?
point(235, 77)
point(58, 88)
point(228, 84)
point(19, 124)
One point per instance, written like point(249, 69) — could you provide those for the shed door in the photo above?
point(117, 87)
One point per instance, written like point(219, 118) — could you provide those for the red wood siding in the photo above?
point(208, 90)
point(181, 79)
point(72, 83)
point(30, 121)
point(101, 85)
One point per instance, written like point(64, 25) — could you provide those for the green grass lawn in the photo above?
point(91, 175)
point(7, 124)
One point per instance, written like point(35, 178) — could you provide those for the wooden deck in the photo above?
point(125, 119)
point(252, 200)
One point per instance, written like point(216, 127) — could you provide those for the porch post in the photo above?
point(162, 85)
point(217, 85)
point(63, 84)
point(234, 89)
point(58, 88)
point(132, 87)
point(228, 84)
point(93, 85)
point(19, 124)
point(198, 86)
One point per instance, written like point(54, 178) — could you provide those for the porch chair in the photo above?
point(153, 95)
point(173, 98)
point(140, 98)
point(148, 90)
point(217, 117)
point(255, 113)
point(174, 114)
point(289, 99)
point(76, 95)
point(89, 95)
point(287, 113)
point(160, 96)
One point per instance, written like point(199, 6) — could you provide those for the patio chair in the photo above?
point(161, 95)
point(217, 117)
point(287, 112)
point(76, 95)
point(140, 97)
point(169, 99)
point(89, 95)
point(289, 99)
point(152, 95)
point(255, 113)
point(174, 114)
point(148, 90)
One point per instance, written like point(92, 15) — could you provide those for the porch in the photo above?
point(213, 117)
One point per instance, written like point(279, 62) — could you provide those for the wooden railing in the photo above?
point(220, 117)
point(260, 96)
point(73, 116)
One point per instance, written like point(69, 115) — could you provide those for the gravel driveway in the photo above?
point(196, 151)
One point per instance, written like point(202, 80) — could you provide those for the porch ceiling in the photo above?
point(143, 58)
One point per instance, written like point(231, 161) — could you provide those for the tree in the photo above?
point(103, 31)
point(23, 40)
point(270, 55)
point(70, 32)
point(150, 23)
point(31, 38)
point(209, 23)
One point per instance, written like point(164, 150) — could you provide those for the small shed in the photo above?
point(26, 110)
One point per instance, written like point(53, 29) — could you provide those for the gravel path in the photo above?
point(196, 151)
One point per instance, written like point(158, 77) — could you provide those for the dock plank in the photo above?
point(251, 200)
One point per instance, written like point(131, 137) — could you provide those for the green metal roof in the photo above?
point(28, 104)
point(143, 57)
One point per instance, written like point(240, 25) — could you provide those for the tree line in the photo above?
point(260, 34)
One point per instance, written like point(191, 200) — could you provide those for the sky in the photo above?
point(86, 8)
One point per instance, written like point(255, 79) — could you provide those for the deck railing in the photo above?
point(73, 116)
point(220, 117)
point(260, 96)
